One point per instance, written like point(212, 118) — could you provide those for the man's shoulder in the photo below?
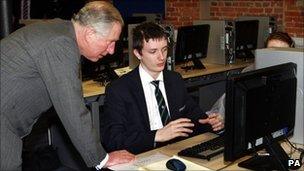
point(124, 81)
point(172, 75)
point(47, 33)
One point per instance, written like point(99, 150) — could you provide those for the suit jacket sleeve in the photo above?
point(193, 111)
point(120, 128)
point(59, 69)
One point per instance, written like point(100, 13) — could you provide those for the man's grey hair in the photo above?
point(99, 15)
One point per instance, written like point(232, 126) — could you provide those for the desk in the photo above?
point(211, 69)
point(215, 163)
point(92, 88)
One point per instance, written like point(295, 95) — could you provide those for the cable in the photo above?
point(301, 150)
point(298, 149)
point(301, 157)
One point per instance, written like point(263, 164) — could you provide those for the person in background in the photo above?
point(279, 39)
point(275, 40)
point(149, 106)
point(40, 69)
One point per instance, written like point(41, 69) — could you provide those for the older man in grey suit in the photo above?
point(40, 68)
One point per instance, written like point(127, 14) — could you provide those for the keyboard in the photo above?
point(206, 150)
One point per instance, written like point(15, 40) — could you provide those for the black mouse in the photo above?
point(176, 165)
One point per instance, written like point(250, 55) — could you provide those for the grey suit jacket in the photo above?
point(40, 68)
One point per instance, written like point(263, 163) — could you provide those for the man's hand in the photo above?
point(176, 128)
point(215, 120)
point(119, 157)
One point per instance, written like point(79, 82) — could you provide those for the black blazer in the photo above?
point(125, 121)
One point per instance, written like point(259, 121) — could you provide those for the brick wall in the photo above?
point(288, 13)
point(182, 12)
point(294, 17)
point(220, 9)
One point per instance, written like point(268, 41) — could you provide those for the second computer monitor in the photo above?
point(192, 44)
point(246, 37)
point(260, 109)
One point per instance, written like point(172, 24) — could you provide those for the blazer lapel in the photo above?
point(138, 92)
point(171, 95)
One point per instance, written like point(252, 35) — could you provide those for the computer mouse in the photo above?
point(176, 165)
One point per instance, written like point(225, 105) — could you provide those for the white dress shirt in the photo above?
point(151, 102)
point(102, 163)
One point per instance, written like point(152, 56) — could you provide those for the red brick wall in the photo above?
point(294, 17)
point(231, 9)
point(288, 13)
point(182, 12)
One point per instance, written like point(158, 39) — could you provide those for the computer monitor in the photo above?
point(267, 25)
point(130, 21)
point(246, 37)
point(221, 41)
point(274, 56)
point(103, 69)
point(260, 110)
point(192, 44)
point(133, 61)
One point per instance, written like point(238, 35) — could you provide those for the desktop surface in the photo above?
point(215, 163)
point(211, 68)
point(94, 88)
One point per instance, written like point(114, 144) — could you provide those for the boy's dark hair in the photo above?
point(282, 36)
point(146, 31)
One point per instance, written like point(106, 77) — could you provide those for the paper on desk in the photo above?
point(141, 162)
point(122, 71)
point(156, 161)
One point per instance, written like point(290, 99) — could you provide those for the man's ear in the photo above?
point(137, 54)
point(88, 34)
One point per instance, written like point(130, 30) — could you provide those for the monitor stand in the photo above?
point(249, 54)
point(245, 54)
point(106, 75)
point(276, 160)
point(197, 64)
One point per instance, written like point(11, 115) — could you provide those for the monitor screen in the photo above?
point(246, 37)
point(260, 109)
point(192, 43)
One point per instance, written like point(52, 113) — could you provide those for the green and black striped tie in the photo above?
point(163, 110)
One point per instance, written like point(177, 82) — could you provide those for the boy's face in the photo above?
point(153, 56)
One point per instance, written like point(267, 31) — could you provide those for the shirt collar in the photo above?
point(146, 78)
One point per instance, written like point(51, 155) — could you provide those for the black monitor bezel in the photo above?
point(246, 31)
point(235, 144)
point(180, 52)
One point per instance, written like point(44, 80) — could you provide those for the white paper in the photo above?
point(141, 162)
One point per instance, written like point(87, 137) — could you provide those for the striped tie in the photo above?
point(25, 9)
point(163, 111)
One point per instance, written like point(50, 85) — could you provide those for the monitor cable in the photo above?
point(301, 150)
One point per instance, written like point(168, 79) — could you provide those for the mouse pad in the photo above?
point(161, 165)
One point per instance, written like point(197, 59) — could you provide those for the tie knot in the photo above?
point(155, 83)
